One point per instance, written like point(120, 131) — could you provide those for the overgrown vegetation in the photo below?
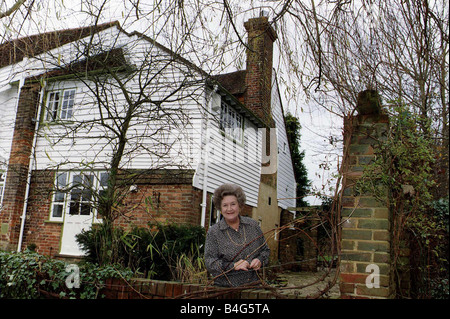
point(161, 251)
point(402, 177)
point(429, 231)
point(28, 275)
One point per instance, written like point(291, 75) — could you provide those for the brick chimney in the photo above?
point(258, 80)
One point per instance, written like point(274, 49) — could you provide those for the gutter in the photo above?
point(30, 164)
point(206, 159)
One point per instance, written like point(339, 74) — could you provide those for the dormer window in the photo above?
point(231, 122)
point(59, 105)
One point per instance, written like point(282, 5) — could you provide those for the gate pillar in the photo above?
point(365, 268)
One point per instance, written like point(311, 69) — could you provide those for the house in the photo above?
point(75, 103)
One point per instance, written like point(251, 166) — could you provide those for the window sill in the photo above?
point(53, 221)
point(232, 139)
point(58, 122)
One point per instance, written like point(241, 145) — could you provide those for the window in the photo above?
point(231, 122)
point(76, 193)
point(81, 194)
point(60, 105)
point(59, 197)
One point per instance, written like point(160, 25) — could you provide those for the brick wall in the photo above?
point(308, 261)
point(365, 219)
point(178, 203)
point(156, 289)
point(171, 201)
point(288, 243)
point(291, 238)
point(38, 229)
point(16, 178)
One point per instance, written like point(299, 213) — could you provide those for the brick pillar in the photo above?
point(19, 160)
point(366, 224)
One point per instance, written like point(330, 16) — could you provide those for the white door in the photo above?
point(78, 213)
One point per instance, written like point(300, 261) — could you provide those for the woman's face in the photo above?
point(230, 208)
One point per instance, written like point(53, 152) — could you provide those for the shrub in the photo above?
point(27, 275)
point(153, 252)
point(430, 251)
point(172, 241)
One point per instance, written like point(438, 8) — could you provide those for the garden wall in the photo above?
point(157, 289)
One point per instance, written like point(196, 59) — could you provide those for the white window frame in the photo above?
point(64, 188)
point(231, 122)
point(60, 105)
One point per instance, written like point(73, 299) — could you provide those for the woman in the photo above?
point(235, 247)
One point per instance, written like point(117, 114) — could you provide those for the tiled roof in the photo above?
point(233, 82)
point(14, 51)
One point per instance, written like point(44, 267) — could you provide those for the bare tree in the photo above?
point(9, 11)
point(131, 110)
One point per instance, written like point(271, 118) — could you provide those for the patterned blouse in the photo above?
point(224, 246)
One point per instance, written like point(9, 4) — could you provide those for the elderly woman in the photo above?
point(235, 247)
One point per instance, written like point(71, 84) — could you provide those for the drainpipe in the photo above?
point(206, 159)
point(30, 164)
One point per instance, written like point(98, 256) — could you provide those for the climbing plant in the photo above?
point(293, 128)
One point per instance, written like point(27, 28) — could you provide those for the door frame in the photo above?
point(98, 185)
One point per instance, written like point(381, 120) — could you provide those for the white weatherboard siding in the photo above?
point(8, 100)
point(228, 161)
point(285, 172)
point(10, 77)
point(8, 111)
point(158, 137)
point(231, 162)
point(167, 138)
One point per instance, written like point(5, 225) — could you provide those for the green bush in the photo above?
point(27, 274)
point(151, 252)
point(171, 241)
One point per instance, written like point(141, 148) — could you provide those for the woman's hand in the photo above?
point(255, 264)
point(241, 265)
point(244, 265)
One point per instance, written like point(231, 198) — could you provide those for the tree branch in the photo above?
point(11, 10)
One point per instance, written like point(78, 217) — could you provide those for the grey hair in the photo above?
point(226, 190)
